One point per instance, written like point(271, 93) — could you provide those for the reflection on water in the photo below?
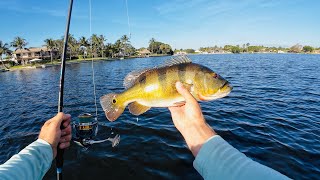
point(272, 115)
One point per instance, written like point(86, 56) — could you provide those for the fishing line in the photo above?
point(92, 68)
point(86, 126)
point(128, 19)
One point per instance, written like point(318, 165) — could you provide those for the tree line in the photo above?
point(94, 46)
point(156, 47)
point(247, 48)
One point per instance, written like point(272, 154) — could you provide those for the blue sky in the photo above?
point(180, 23)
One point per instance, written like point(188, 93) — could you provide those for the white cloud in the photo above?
point(58, 12)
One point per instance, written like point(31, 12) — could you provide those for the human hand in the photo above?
point(51, 132)
point(189, 120)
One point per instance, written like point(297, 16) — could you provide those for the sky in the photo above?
point(180, 23)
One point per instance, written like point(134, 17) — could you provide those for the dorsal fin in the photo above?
point(131, 78)
point(177, 60)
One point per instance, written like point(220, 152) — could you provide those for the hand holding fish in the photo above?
point(51, 132)
point(189, 120)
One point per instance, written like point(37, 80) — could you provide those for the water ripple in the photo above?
point(272, 116)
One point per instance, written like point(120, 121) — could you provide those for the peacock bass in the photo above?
point(156, 87)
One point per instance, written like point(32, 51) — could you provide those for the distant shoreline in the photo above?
point(244, 53)
point(75, 61)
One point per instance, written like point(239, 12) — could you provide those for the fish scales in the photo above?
point(156, 88)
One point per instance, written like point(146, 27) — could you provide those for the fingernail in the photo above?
point(179, 84)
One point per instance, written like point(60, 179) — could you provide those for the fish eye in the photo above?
point(114, 101)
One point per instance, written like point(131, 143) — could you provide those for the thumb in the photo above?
point(184, 92)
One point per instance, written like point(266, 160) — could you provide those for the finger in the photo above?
point(47, 122)
point(173, 108)
point(184, 92)
point(174, 111)
point(66, 131)
point(64, 145)
point(66, 122)
point(66, 117)
point(65, 138)
point(57, 120)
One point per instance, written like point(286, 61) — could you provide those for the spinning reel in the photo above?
point(86, 129)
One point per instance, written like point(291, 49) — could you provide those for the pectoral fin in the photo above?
point(137, 109)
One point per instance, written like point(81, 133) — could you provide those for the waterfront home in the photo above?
point(198, 51)
point(180, 53)
point(217, 51)
point(144, 53)
point(23, 56)
point(316, 51)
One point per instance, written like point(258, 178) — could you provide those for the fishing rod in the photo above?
point(60, 152)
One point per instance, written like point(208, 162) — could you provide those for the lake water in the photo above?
point(272, 115)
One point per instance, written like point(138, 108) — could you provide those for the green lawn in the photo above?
point(57, 62)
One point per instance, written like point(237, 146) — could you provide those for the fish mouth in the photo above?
point(224, 90)
point(226, 84)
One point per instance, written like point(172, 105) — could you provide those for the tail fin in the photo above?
point(111, 106)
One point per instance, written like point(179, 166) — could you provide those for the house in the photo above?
point(181, 53)
point(23, 56)
point(144, 53)
point(198, 51)
point(316, 51)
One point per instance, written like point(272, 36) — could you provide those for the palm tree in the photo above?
point(4, 49)
point(124, 39)
point(248, 44)
point(19, 43)
point(83, 42)
point(72, 44)
point(59, 45)
point(151, 42)
point(102, 39)
point(50, 46)
point(110, 49)
point(124, 43)
point(95, 41)
point(117, 47)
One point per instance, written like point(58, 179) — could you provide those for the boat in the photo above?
point(35, 60)
point(4, 70)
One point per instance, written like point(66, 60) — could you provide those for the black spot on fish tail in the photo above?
point(182, 72)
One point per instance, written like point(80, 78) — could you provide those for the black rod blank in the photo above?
point(60, 152)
